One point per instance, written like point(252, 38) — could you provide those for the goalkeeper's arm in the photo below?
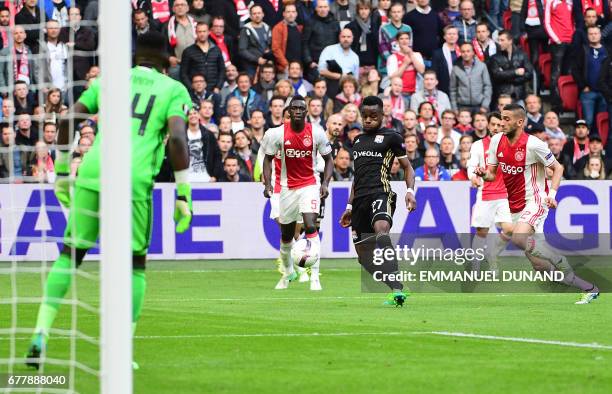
point(179, 159)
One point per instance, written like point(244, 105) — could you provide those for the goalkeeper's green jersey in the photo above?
point(155, 98)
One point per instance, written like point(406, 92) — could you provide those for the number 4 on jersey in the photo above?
point(144, 117)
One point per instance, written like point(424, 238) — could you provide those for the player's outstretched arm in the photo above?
point(267, 175)
point(409, 179)
point(327, 174)
point(555, 182)
point(66, 122)
point(179, 159)
point(345, 219)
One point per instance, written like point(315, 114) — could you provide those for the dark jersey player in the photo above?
point(372, 202)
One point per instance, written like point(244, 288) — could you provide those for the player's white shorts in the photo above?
point(274, 206)
point(487, 213)
point(294, 202)
point(534, 214)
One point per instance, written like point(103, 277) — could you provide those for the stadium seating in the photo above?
point(545, 66)
point(602, 125)
point(507, 19)
point(568, 90)
point(525, 45)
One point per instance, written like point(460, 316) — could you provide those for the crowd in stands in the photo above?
point(440, 66)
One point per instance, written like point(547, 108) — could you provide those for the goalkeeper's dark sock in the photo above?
point(56, 287)
point(139, 288)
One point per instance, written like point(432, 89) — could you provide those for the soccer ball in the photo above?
point(303, 253)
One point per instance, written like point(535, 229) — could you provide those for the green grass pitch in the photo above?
point(219, 327)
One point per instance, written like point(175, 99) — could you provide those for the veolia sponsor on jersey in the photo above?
point(512, 169)
point(367, 153)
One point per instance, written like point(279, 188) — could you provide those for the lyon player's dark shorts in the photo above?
point(369, 209)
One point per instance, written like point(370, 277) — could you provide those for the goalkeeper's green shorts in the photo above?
point(84, 225)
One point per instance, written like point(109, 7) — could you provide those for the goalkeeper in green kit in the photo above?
point(159, 107)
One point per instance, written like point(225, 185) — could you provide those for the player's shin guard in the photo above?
point(389, 266)
point(56, 287)
point(285, 255)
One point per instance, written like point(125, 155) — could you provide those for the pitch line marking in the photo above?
point(518, 339)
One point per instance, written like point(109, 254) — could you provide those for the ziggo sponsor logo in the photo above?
point(508, 169)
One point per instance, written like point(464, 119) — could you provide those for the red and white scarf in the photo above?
point(435, 175)
point(220, 42)
point(595, 4)
point(21, 68)
point(398, 107)
point(160, 10)
point(433, 100)
point(478, 50)
point(172, 29)
point(580, 153)
point(533, 18)
point(275, 4)
point(242, 10)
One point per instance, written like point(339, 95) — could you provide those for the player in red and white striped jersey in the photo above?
point(523, 159)
point(300, 197)
point(491, 206)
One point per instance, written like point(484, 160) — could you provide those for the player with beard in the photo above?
point(523, 160)
point(300, 196)
point(372, 202)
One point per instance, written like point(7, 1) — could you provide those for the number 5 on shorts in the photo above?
point(314, 204)
point(376, 205)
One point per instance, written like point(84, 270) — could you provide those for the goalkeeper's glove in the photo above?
point(183, 210)
point(62, 181)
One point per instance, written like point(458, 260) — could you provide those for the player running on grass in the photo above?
point(300, 196)
point(491, 200)
point(160, 105)
point(372, 202)
point(522, 159)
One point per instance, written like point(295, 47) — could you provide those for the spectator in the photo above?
point(387, 37)
point(470, 86)
point(447, 153)
point(484, 46)
point(25, 101)
point(337, 60)
point(10, 161)
point(266, 81)
point(41, 168)
point(348, 93)
point(353, 130)
point(284, 32)
point(284, 88)
point(49, 137)
point(273, 10)
point(589, 61)
point(57, 10)
point(576, 148)
point(257, 130)
point(560, 26)
point(55, 55)
point(254, 44)
point(556, 147)
point(18, 67)
point(595, 169)
point(581, 38)
point(305, 11)
point(447, 129)
point(461, 174)
point(450, 13)
point(399, 102)
point(371, 85)
point(203, 57)
point(335, 127)
point(5, 31)
point(315, 112)
point(410, 123)
point(503, 100)
point(322, 31)
point(319, 90)
point(533, 106)
point(242, 149)
point(26, 138)
point(141, 25)
point(389, 121)
point(199, 92)
point(295, 75)
point(444, 58)
point(8, 110)
point(479, 127)
point(431, 170)
point(426, 29)
point(181, 32)
point(235, 111)
point(344, 11)
point(430, 93)
point(365, 39)
point(275, 116)
point(551, 125)
point(405, 64)
point(532, 15)
point(29, 15)
point(225, 143)
point(427, 116)
point(207, 114)
point(537, 131)
point(396, 173)
point(342, 166)
point(496, 13)
point(82, 39)
point(232, 171)
point(204, 152)
point(430, 140)
point(350, 114)
point(381, 13)
point(464, 122)
point(510, 69)
point(604, 84)
point(465, 143)
point(595, 150)
point(466, 24)
point(411, 142)
point(54, 102)
point(223, 41)
point(199, 12)
point(249, 99)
